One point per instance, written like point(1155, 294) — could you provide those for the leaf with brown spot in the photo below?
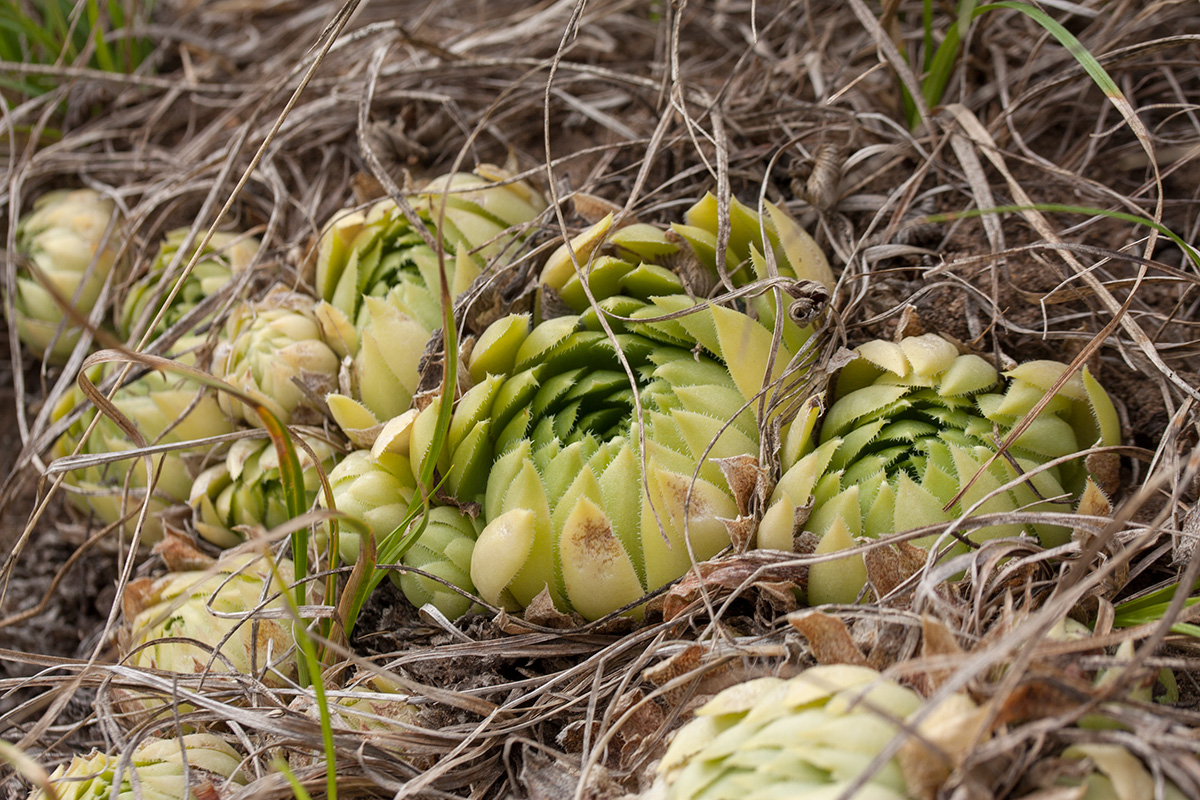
point(828, 638)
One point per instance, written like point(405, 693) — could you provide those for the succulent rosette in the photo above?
point(276, 351)
point(813, 736)
point(165, 411)
point(225, 256)
point(245, 491)
point(912, 426)
point(548, 441)
point(380, 278)
point(158, 769)
point(205, 621)
point(65, 237)
point(595, 458)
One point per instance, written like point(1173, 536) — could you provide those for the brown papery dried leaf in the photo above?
point(747, 479)
point(730, 574)
point(937, 642)
point(180, 553)
point(947, 734)
point(541, 611)
point(828, 638)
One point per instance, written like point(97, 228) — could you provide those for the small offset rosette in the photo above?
point(910, 441)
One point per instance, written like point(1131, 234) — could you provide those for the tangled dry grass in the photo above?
point(270, 115)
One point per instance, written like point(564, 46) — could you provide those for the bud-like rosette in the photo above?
point(194, 622)
point(811, 736)
point(377, 251)
point(226, 256)
point(444, 551)
point(910, 425)
point(275, 350)
point(375, 488)
point(380, 280)
point(165, 411)
point(160, 769)
point(64, 237)
point(246, 489)
point(373, 491)
point(548, 440)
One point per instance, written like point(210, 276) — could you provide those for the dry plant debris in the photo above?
point(1028, 215)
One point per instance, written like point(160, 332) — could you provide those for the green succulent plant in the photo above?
point(380, 280)
point(65, 238)
point(202, 621)
point(594, 459)
point(246, 489)
point(225, 256)
point(811, 736)
point(910, 425)
point(165, 411)
point(1113, 773)
point(375, 487)
point(277, 351)
point(156, 770)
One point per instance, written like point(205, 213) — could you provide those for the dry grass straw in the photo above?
point(646, 107)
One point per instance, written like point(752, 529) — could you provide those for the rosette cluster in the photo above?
point(911, 440)
point(379, 276)
point(245, 490)
point(165, 412)
point(211, 621)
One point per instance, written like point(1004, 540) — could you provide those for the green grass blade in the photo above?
point(103, 53)
point(942, 65)
point(311, 664)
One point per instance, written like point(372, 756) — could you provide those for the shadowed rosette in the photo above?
point(814, 735)
point(210, 621)
point(64, 237)
point(375, 488)
point(165, 412)
point(246, 489)
point(380, 280)
point(160, 769)
point(276, 351)
point(226, 256)
point(911, 424)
